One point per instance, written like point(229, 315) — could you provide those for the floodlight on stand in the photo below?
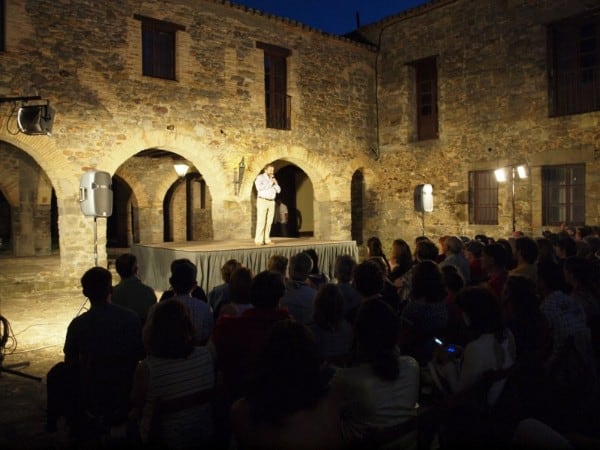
point(522, 172)
point(500, 175)
point(181, 169)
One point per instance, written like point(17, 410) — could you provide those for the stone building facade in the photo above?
point(353, 110)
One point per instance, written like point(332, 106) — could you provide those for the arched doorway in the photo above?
point(122, 227)
point(357, 195)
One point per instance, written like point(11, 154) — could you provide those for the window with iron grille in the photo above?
point(158, 47)
point(563, 194)
point(574, 64)
point(277, 102)
point(426, 91)
point(483, 198)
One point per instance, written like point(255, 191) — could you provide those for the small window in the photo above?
point(483, 198)
point(426, 92)
point(563, 194)
point(574, 65)
point(277, 102)
point(158, 47)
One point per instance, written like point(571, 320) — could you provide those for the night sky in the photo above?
point(332, 16)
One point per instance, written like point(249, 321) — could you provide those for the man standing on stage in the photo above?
point(266, 188)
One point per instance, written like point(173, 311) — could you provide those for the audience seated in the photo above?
point(368, 280)
point(131, 293)
point(425, 317)
point(473, 251)
point(103, 345)
point(380, 390)
point(526, 251)
point(333, 333)
point(454, 257)
point(425, 250)
point(279, 264)
point(389, 293)
point(219, 295)
point(174, 385)
point(400, 259)
point(375, 250)
point(183, 281)
point(197, 291)
point(490, 349)
point(315, 278)
point(343, 272)
point(239, 293)
point(299, 296)
point(289, 405)
point(493, 261)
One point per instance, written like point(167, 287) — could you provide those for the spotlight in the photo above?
point(35, 119)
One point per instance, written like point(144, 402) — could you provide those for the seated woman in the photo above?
point(332, 332)
point(239, 293)
point(381, 388)
point(490, 349)
point(173, 385)
point(289, 405)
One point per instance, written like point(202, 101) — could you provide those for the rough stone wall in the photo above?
point(85, 57)
point(493, 112)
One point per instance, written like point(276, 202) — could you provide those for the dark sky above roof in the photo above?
point(333, 16)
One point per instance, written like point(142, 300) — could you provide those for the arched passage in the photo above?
point(122, 227)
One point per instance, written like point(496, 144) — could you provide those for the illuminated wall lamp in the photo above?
point(181, 169)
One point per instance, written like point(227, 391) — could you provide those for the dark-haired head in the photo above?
point(427, 282)
point(266, 290)
point(126, 265)
point(97, 285)
point(482, 310)
point(169, 331)
point(368, 279)
point(329, 307)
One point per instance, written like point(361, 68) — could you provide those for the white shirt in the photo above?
point(281, 213)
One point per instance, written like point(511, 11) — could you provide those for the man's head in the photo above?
point(269, 169)
point(300, 266)
point(344, 266)
point(183, 277)
point(228, 268)
point(266, 290)
point(454, 245)
point(368, 279)
point(126, 265)
point(97, 285)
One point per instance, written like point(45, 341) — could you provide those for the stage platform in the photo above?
point(209, 256)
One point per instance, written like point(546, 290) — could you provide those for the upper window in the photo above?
point(426, 91)
point(158, 47)
point(278, 104)
point(574, 64)
point(2, 26)
point(483, 198)
point(563, 194)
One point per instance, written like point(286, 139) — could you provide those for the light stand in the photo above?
point(11, 369)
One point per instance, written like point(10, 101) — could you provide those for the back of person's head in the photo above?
point(583, 272)
point(183, 277)
point(169, 332)
point(426, 250)
point(368, 279)
point(545, 249)
point(567, 246)
point(474, 247)
point(287, 377)
point(376, 331)
point(508, 251)
point(266, 290)
point(374, 246)
point(482, 238)
point(482, 311)
point(328, 306)
point(380, 262)
point(315, 259)
point(452, 279)
point(300, 266)
point(344, 267)
point(594, 243)
point(527, 249)
point(279, 264)
point(454, 245)
point(551, 276)
point(228, 268)
point(126, 265)
point(240, 284)
point(97, 284)
point(402, 255)
point(427, 282)
point(497, 254)
point(520, 294)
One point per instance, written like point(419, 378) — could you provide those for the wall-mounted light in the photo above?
point(32, 119)
point(181, 169)
point(238, 176)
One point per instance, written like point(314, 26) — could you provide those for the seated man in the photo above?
point(102, 348)
point(299, 296)
point(131, 293)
